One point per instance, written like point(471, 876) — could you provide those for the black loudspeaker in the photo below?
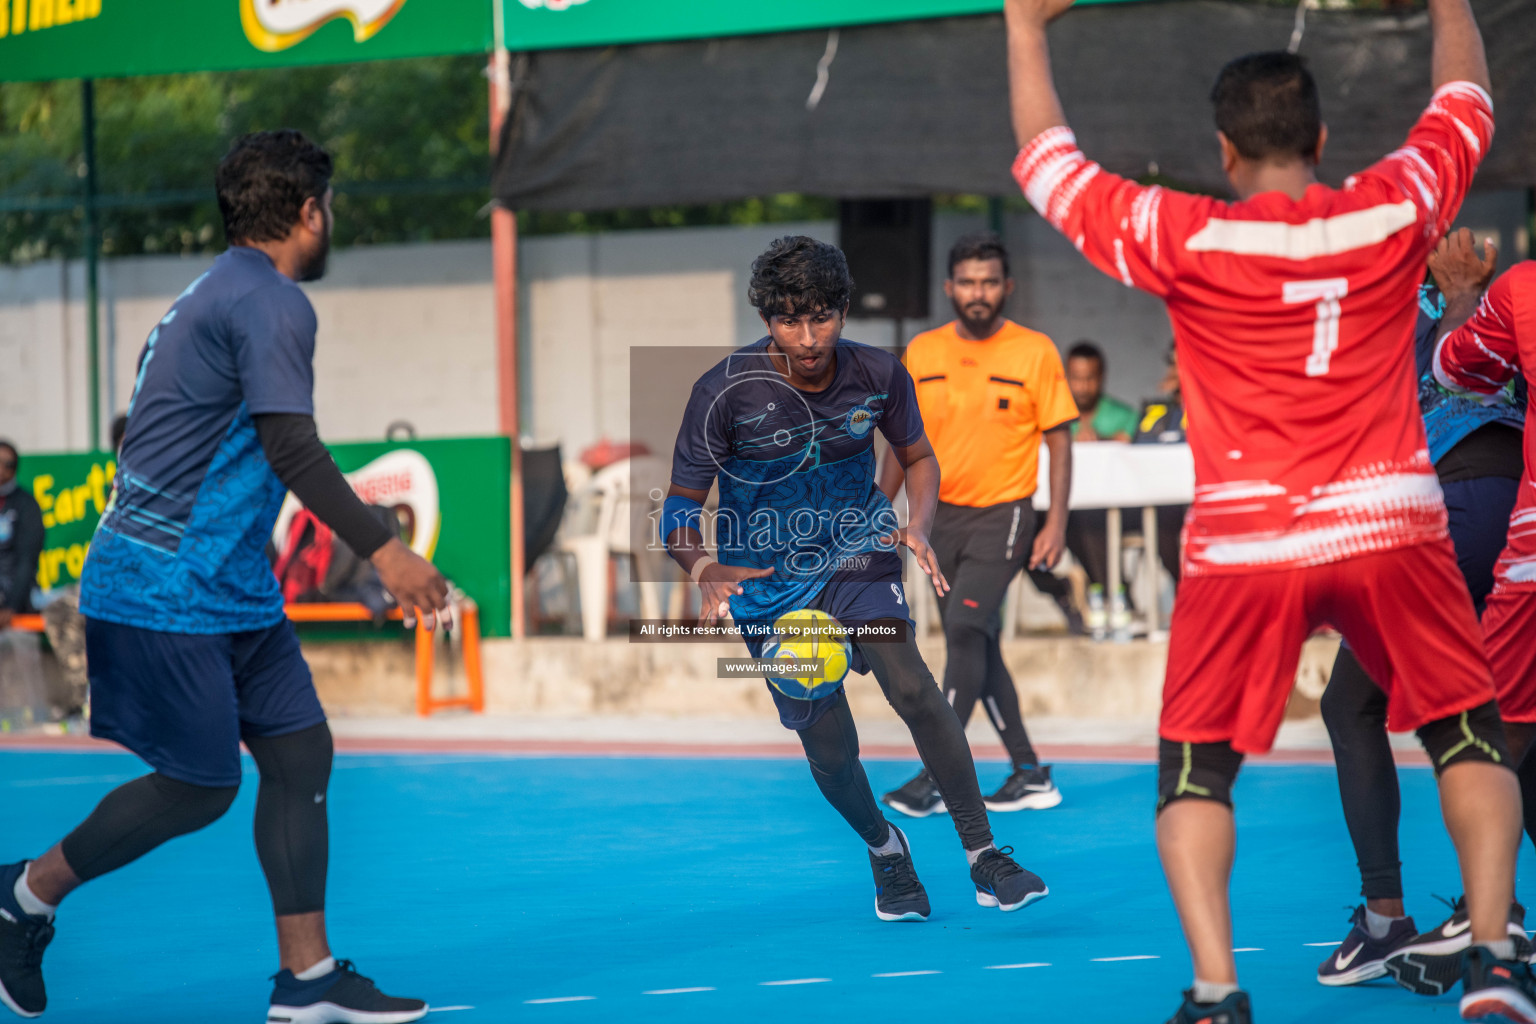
point(887, 242)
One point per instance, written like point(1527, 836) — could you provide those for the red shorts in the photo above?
point(1509, 623)
point(1236, 641)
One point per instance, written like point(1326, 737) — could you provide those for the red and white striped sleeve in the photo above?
point(1122, 228)
point(1483, 354)
point(1434, 168)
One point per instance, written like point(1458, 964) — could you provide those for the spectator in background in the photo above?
point(1164, 421)
point(1101, 417)
point(21, 538)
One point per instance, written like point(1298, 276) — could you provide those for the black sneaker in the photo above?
point(23, 937)
point(1361, 957)
point(1431, 964)
point(899, 896)
point(1000, 882)
point(1494, 989)
point(341, 997)
point(1235, 1009)
point(1028, 789)
point(918, 798)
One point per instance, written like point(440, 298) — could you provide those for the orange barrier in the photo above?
point(426, 703)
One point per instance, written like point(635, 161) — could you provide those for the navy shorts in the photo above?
point(183, 702)
point(1478, 512)
point(852, 603)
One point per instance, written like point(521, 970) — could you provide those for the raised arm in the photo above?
point(1458, 54)
point(1462, 276)
point(1036, 108)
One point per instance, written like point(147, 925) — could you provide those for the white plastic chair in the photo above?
point(606, 518)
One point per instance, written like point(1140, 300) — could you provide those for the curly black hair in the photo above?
point(799, 275)
point(264, 180)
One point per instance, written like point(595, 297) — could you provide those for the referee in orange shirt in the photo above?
point(989, 390)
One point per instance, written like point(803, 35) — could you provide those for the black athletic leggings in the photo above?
point(832, 748)
point(980, 550)
point(1355, 709)
point(291, 830)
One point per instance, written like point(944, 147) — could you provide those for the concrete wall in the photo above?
point(406, 332)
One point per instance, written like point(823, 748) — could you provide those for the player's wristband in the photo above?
point(680, 513)
point(700, 566)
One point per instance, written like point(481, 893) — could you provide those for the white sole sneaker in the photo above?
point(913, 812)
point(986, 899)
point(1028, 802)
point(910, 915)
point(1500, 1004)
point(330, 1013)
point(1365, 972)
point(10, 1004)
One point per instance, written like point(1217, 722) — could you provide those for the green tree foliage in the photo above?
point(409, 138)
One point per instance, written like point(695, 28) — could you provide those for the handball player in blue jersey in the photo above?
point(190, 651)
point(786, 426)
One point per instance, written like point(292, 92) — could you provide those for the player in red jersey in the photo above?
point(1315, 501)
point(1483, 356)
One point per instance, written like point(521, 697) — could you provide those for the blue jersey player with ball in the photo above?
point(786, 427)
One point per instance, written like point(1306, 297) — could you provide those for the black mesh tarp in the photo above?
point(919, 108)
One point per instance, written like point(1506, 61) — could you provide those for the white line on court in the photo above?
point(677, 991)
point(1249, 949)
point(1119, 959)
point(447, 1009)
point(796, 981)
point(559, 999)
point(1012, 967)
point(903, 974)
point(1335, 942)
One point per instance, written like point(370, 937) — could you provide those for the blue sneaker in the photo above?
point(899, 896)
point(23, 937)
point(1235, 1009)
point(1361, 957)
point(1497, 990)
point(1001, 883)
point(341, 997)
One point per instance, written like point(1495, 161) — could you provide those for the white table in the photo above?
point(1113, 475)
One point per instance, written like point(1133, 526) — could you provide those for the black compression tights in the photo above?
point(831, 745)
point(290, 819)
point(832, 748)
point(1355, 711)
point(292, 833)
point(974, 670)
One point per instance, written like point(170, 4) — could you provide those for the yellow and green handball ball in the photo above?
point(806, 634)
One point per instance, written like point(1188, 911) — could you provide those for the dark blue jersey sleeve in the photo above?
point(273, 330)
point(901, 421)
point(703, 441)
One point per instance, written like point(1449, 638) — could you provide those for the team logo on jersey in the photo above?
point(861, 419)
point(274, 25)
point(552, 5)
point(896, 589)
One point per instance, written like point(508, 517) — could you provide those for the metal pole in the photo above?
point(92, 296)
point(504, 274)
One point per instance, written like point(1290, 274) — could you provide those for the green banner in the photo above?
point(72, 491)
point(452, 497)
point(48, 39)
point(552, 24)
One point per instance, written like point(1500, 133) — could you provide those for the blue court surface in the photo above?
point(611, 889)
